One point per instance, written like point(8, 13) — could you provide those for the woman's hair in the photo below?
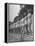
point(23, 12)
point(27, 9)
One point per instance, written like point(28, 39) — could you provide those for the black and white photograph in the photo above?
point(20, 22)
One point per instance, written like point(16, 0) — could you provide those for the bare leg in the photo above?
point(29, 27)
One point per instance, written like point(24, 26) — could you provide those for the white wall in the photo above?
point(13, 11)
